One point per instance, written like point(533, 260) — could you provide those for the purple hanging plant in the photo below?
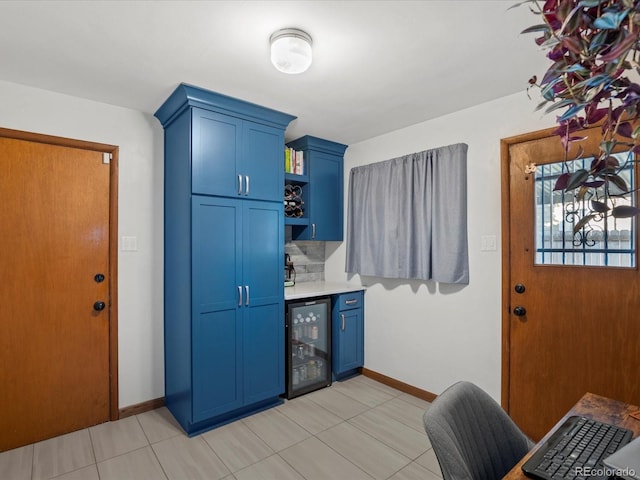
point(593, 46)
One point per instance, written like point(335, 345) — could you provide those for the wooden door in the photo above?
point(54, 338)
point(577, 330)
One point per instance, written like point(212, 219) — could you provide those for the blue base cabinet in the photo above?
point(323, 194)
point(347, 332)
point(224, 244)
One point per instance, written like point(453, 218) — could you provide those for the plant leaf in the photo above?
point(594, 81)
point(548, 92)
point(599, 207)
point(598, 41)
point(625, 129)
point(625, 211)
point(551, 42)
point(577, 178)
point(617, 51)
point(562, 182)
point(610, 20)
point(581, 193)
point(571, 112)
point(541, 105)
point(596, 115)
point(560, 104)
point(519, 4)
point(607, 146)
point(570, 19)
point(591, 3)
point(583, 221)
point(611, 162)
point(543, 27)
point(576, 67)
point(594, 184)
point(619, 182)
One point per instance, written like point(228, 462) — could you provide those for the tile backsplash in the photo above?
point(307, 256)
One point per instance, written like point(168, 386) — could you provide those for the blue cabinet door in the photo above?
point(236, 158)
point(347, 333)
point(351, 343)
point(325, 196)
point(217, 311)
point(262, 161)
point(263, 275)
point(215, 145)
point(350, 347)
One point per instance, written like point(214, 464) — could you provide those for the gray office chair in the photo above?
point(472, 436)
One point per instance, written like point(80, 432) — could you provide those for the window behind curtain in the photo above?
point(407, 217)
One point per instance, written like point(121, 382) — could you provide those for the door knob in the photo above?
point(519, 311)
point(519, 288)
point(98, 306)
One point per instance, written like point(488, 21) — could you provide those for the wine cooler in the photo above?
point(308, 361)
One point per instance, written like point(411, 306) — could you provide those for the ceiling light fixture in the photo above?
point(291, 50)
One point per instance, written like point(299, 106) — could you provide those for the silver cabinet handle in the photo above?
point(239, 184)
point(246, 290)
point(342, 316)
point(246, 183)
point(351, 302)
point(239, 296)
point(313, 230)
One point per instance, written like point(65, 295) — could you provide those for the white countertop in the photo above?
point(318, 289)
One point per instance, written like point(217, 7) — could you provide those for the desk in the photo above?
point(591, 406)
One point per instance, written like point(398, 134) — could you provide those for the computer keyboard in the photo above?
point(576, 450)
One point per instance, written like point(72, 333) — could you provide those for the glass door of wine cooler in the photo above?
point(308, 346)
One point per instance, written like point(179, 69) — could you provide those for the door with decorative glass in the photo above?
point(571, 287)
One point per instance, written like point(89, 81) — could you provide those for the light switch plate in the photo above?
point(489, 243)
point(129, 244)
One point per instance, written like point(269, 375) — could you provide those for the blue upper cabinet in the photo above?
point(324, 193)
point(236, 146)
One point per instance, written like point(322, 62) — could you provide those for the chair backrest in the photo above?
point(472, 436)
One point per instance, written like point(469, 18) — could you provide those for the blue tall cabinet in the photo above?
point(224, 245)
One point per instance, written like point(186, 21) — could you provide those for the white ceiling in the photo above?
point(378, 65)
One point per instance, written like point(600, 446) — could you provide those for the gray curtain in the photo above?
point(407, 217)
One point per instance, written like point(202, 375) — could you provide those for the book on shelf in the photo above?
point(287, 160)
point(293, 161)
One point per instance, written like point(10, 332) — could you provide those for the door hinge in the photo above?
point(106, 158)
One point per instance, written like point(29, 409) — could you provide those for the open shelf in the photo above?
point(296, 221)
point(292, 177)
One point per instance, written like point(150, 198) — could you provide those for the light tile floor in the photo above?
point(356, 429)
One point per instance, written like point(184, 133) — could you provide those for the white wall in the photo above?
point(139, 136)
point(423, 334)
point(430, 335)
